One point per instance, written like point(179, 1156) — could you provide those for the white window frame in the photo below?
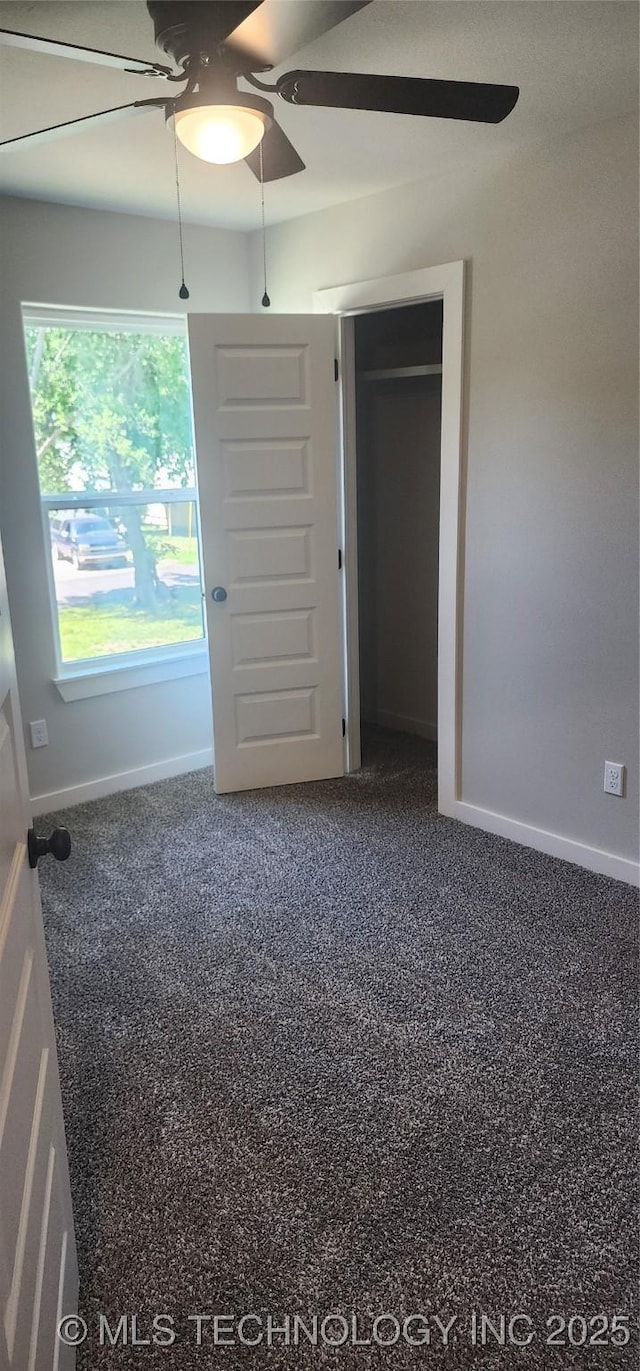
point(142, 666)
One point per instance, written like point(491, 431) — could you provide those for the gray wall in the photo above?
point(398, 512)
point(550, 652)
point(54, 254)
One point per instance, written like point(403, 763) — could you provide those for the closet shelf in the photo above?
point(397, 373)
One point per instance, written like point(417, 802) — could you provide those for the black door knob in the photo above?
point(218, 594)
point(59, 844)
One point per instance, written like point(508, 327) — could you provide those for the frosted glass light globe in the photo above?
point(220, 133)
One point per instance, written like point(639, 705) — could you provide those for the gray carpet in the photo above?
point(325, 1050)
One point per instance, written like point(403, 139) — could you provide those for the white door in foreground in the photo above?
point(38, 1274)
point(264, 399)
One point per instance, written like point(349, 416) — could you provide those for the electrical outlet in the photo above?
point(614, 778)
point(39, 735)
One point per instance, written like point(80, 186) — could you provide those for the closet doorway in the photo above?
point(398, 370)
point(351, 303)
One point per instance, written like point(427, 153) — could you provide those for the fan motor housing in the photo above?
point(187, 30)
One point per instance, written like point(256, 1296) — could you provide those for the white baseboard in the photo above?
point(124, 780)
point(581, 854)
point(402, 723)
point(554, 844)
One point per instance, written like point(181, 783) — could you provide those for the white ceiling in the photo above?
point(576, 62)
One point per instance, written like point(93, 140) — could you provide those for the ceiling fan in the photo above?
point(214, 42)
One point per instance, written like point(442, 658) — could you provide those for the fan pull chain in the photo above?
point(183, 293)
point(265, 302)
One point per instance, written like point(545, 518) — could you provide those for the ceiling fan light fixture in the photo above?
point(221, 130)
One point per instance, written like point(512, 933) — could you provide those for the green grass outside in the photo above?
point(170, 547)
point(97, 632)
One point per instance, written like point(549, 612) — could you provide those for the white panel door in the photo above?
point(38, 1273)
point(265, 418)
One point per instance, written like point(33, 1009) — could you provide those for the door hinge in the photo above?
point(339, 559)
point(344, 727)
point(336, 369)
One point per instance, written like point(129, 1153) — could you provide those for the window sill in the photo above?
point(130, 675)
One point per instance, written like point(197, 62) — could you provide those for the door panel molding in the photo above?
point(264, 403)
point(38, 1269)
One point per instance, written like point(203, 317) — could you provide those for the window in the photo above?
point(112, 423)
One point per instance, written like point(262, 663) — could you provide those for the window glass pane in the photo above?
point(111, 410)
point(112, 417)
point(126, 578)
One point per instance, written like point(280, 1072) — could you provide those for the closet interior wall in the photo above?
point(398, 413)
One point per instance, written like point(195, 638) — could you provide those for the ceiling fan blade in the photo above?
point(108, 115)
point(280, 27)
point(279, 157)
point(486, 104)
point(51, 47)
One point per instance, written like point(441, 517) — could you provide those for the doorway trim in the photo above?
point(445, 282)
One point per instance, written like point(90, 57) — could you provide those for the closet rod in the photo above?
point(397, 373)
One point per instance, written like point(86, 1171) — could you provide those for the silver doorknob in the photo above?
point(218, 594)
